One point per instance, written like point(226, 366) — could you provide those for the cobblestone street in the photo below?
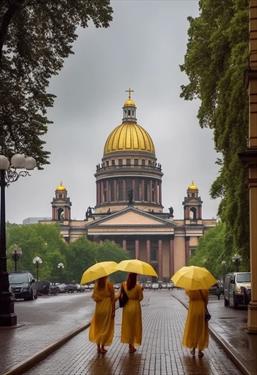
point(161, 351)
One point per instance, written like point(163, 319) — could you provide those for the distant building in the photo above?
point(129, 208)
point(34, 220)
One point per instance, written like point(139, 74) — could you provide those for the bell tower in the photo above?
point(61, 204)
point(192, 205)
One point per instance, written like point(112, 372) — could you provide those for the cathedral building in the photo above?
point(128, 209)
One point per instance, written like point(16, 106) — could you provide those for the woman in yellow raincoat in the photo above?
point(102, 325)
point(131, 326)
point(196, 334)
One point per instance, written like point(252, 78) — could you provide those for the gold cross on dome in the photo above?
point(129, 92)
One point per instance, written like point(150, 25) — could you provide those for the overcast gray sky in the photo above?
point(142, 49)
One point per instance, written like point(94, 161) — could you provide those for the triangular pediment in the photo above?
point(131, 216)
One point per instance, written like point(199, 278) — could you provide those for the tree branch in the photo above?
point(12, 9)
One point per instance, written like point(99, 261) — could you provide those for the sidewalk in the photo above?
point(161, 352)
point(229, 327)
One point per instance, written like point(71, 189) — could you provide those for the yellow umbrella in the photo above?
point(98, 270)
point(137, 266)
point(193, 278)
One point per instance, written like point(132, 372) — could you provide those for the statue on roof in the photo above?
point(171, 212)
point(89, 214)
point(130, 197)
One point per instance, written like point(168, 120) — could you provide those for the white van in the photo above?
point(237, 289)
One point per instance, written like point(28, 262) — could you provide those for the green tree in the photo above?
point(35, 38)
point(42, 240)
point(211, 251)
point(111, 251)
point(215, 63)
point(82, 254)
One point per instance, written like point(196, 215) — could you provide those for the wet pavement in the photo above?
point(41, 323)
point(230, 327)
point(161, 351)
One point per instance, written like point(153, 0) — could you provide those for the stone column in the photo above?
point(151, 190)
point(160, 259)
point(124, 198)
point(250, 159)
point(102, 191)
point(108, 195)
point(115, 190)
point(148, 250)
point(171, 257)
point(134, 188)
point(143, 190)
point(137, 249)
point(124, 244)
point(187, 239)
point(54, 213)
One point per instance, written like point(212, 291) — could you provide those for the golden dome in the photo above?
point(129, 103)
point(60, 187)
point(129, 136)
point(192, 186)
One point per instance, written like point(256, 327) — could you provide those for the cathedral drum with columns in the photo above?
point(129, 209)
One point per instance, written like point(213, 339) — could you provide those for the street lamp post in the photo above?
point(16, 254)
point(37, 261)
point(237, 260)
point(60, 267)
point(9, 172)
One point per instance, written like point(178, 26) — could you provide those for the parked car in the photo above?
point(148, 285)
point(61, 287)
point(155, 286)
point(237, 289)
point(46, 287)
point(23, 285)
point(71, 288)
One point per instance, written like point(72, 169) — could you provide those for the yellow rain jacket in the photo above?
point(131, 326)
point(102, 325)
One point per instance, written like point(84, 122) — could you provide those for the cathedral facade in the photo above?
point(129, 208)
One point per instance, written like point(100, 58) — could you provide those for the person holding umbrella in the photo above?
point(102, 324)
point(196, 333)
point(196, 281)
point(131, 326)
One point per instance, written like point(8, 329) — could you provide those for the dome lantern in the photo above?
point(192, 186)
point(129, 109)
point(60, 187)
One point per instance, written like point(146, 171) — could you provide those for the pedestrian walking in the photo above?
point(196, 334)
point(102, 325)
point(131, 326)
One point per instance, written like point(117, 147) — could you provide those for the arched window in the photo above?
point(60, 214)
point(192, 213)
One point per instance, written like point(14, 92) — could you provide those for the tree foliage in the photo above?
point(45, 240)
point(215, 63)
point(37, 240)
point(211, 253)
point(35, 38)
point(83, 253)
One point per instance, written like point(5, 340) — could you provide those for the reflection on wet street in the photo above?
point(40, 323)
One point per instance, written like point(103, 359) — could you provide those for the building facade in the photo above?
point(129, 208)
